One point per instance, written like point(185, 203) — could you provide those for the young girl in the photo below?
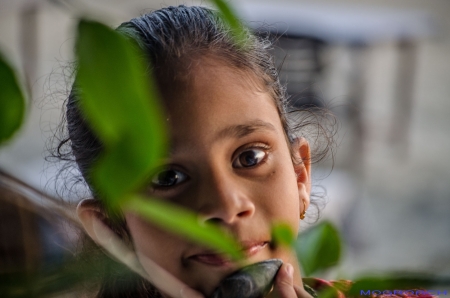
point(235, 157)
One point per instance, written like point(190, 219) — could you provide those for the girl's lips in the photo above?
point(213, 259)
point(254, 248)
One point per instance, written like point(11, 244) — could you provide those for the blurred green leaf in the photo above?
point(184, 223)
point(120, 101)
point(229, 16)
point(282, 234)
point(12, 102)
point(319, 248)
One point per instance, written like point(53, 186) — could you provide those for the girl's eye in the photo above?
point(168, 178)
point(249, 158)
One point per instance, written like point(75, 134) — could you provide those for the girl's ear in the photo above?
point(90, 214)
point(302, 168)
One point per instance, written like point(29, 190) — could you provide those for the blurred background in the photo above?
point(383, 69)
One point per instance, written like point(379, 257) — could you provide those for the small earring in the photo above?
point(303, 214)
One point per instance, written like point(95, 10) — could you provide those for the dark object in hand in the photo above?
point(253, 281)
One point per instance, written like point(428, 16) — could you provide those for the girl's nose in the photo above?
point(224, 201)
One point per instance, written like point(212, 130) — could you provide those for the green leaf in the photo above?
point(120, 102)
point(319, 248)
point(12, 102)
point(184, 223)
point(282, 234)
point(229, 16)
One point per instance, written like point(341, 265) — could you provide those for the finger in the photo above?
point(284, 282)
point(299, 291)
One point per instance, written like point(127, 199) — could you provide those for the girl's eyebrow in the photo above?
point(233, 131)
point(242, 130)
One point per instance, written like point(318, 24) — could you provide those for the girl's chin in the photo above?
point(207, 280)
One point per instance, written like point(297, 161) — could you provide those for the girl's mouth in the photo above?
point(249, 249)
point(212, 260)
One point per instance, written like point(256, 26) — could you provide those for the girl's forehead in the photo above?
point(197, 74)
point(214, 100)
point(215, 88)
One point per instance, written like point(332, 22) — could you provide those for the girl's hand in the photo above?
point(284, 284)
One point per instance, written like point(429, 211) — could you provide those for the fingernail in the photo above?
point(290, 270)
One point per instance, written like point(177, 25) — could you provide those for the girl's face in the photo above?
point(229, 162)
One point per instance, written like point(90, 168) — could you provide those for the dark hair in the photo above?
point(172, 38)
